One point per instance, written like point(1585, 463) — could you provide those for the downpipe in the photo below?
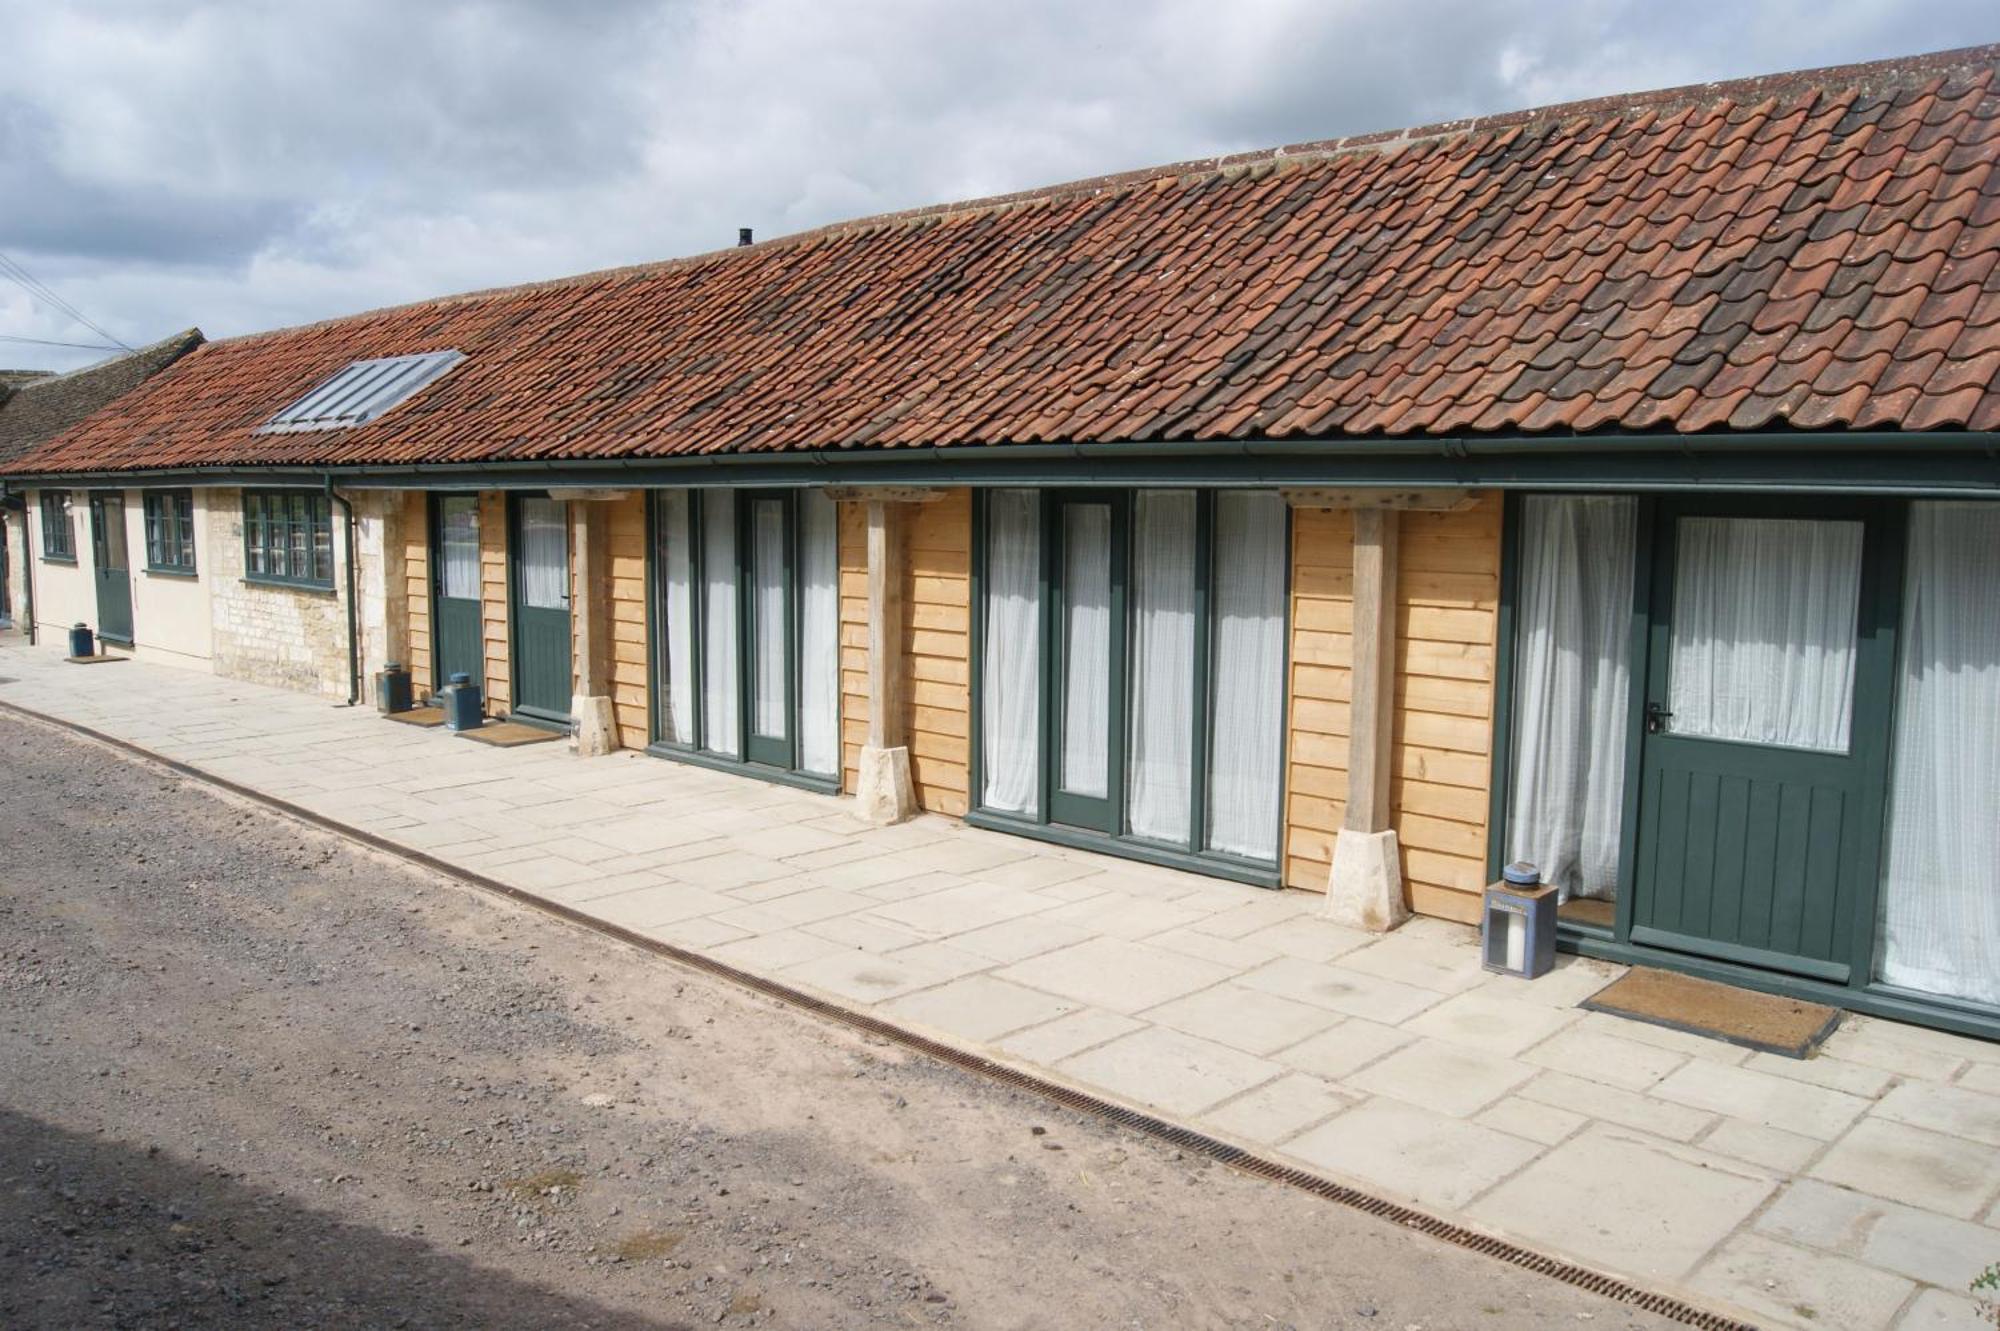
point(353, 602)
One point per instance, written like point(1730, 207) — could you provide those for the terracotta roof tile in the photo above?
point(1809, 251)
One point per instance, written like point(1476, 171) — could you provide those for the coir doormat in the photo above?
point(425, 717)
point(510, 734)
point(1720, 1011)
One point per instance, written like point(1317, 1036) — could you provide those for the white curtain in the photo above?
point(1941, 893)
point(1086, 656)
point(1247, 673)
point(718, 642)
point(1763, 635)
point(544, 554)
point(819, 634)
point(676, 565)
point(767, 533)
point(460, 556)
point(1572, 689)
point(1009, 705)
point(1162, 665)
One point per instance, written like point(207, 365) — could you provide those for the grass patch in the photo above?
point(649, 1243)
point(537, 1185)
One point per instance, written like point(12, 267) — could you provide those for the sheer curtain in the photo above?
point(719, 715)
point(1162, 665)
point(1763, 637)
point(676, 565)
point(1941, 903)
point(460, 521)
point(1086, 649)
point(767, 561)
point(1010, 688)
point(544, 554)
point(1572, 688)
point(819, 634)
point(1247, 673)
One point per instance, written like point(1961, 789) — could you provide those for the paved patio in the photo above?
point(1858, 1189)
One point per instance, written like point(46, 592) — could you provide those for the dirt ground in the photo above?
point(253, 1076)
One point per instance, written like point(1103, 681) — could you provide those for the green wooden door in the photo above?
point(112, 566)
point(769, 632)
point(1086, 749)
point(457, 621)
point(1768, 675)
point(538, 541)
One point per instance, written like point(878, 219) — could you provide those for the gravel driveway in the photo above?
point(253, 1076)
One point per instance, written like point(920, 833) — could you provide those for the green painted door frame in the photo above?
point(753, 507)
point(111, 566)
point(539, 634)
point(458, 628)
point(1101, 813)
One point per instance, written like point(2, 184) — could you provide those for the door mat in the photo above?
point(419, 716)
point(94, 660)
point(1720, 1011)
point(510, 734)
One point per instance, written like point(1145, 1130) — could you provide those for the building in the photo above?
point(1610, 486)
point(34, 408)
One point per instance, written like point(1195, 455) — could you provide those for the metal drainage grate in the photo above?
point(1249, 1162)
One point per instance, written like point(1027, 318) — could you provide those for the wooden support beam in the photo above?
point(590, 609)
point(885, 494)
point(1361, 498)
point(574, 496)
point(886, 612)
point(1371, 723)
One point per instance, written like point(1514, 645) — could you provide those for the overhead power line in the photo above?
point(12, 270)
point(47, 342)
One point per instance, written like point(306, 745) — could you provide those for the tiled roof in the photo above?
point(1813, 251)
point(43, 406)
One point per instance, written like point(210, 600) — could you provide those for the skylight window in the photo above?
point(361, 392)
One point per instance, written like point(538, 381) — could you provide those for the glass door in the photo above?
point(1767, 684)
point(768, 629)
point(459, 645)
point(112, 567)
point(1088, 606)
point(541, 609)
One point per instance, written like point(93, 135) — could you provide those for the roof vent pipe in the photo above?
point(742, 235)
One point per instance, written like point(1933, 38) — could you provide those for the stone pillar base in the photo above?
point(596, 731)
point(1365, 889)
point(883, 793)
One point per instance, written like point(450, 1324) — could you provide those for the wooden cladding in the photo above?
point(1448, 594)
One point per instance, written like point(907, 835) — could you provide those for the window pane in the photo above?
point(458, 518)
point(767, 532)
point(544, 554)
point(1572, 689)
point(719, 684)
point(1763, 630)
point(1247, 673)
point(1010, 680)
point(819, 634)
point(676, 564)
point(1158, 782)
point(322, 540)
point(1941, 912)
point(1086, 655)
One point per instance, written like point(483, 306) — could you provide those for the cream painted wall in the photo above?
point(64, 593)
point(171, 618)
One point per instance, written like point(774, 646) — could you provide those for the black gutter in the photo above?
point(18, 503)
point(1960, 461)
point(353, 604)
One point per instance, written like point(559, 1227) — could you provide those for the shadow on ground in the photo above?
point(94, 1233)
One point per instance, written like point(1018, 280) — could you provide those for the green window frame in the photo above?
point(1045, 820)
point(58, 527)
point(169, 531)
point(288, 538)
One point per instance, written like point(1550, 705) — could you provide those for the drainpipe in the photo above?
point(19, 504)
point(353, 604)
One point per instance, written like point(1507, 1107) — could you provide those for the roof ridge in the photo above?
point(1861, 77)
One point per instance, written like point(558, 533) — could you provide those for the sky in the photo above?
point(242, 166)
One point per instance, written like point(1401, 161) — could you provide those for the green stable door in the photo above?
point(539, 595)
point(1768, 681)
point(457, 616)
point(111, 566)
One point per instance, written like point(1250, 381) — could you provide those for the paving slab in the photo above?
point(979, 1008)
point(1612, 1105)
point(1628, 1200)
point(1170, 1069)
point(1759, 1097)
point(1116, 974)
point(1245, 1019)
point(1491, 1023)
point(1345, 1048)
point(1902, 1163)
point(1424, 1157)
point(1446, 1077)
point(1279, 1109)
point(1052, 1042)
point(1795, 1287)
point(1599, 1056)
point(1350, 993)
point(1952, 1110)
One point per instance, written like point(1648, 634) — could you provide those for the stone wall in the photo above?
point(292, 637)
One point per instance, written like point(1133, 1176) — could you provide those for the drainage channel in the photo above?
point(1181, 1136)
